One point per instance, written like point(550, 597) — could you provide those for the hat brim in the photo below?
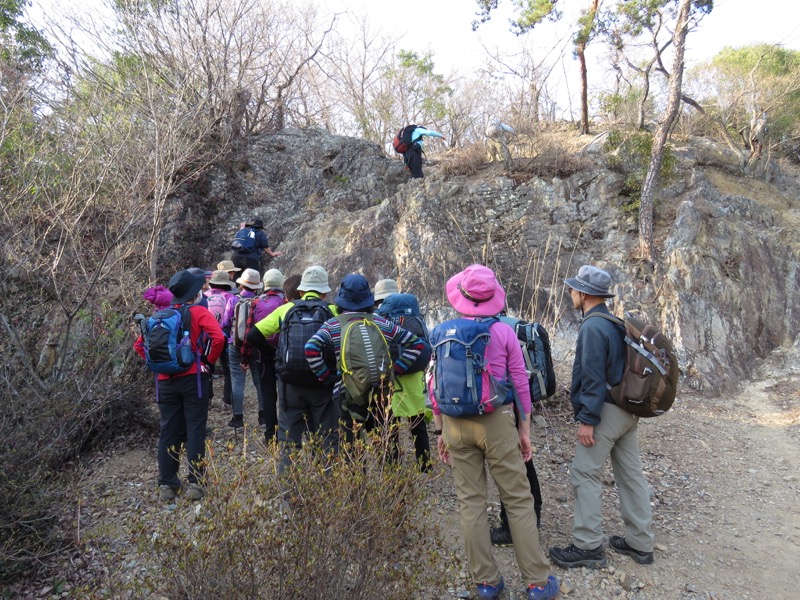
point(321, 289)
point(577, 285)
point(469, 308)
point(197, 284)
point(385, 295)
point(347, 305)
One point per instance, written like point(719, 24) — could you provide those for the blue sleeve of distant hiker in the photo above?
point(420, 131)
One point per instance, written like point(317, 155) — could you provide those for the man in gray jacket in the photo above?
point(604, 430)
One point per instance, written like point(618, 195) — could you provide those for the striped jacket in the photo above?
point(329, 337)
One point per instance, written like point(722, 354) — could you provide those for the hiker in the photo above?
point(408, 398)
point(181, 404)
point(412, 158)
point(487, 436)
point(240, 360)
point(604, 429)
point(159, 296)
point(221, 300)
point(364, 388)
point(249, 243)
point(497, 134)
point(272, 298)
point(231, 269)
point(290, 287)
point(304, 404)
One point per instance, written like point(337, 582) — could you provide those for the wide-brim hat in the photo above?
point(315, 279)
point(273, 279)
point(385, 288)
point(184, 285)
point(475, 292)
point(220, 277)
point(250, 279)
point(591, 280)
point(228, 266)
point(354, 293)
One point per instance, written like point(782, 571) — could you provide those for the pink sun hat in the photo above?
point(475, 292)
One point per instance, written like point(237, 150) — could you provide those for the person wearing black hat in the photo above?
point(249, 243)
point(604, 430)
point(181, 401)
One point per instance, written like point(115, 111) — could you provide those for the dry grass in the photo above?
point(464, 161)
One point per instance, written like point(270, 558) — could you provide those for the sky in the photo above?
point(444, 26)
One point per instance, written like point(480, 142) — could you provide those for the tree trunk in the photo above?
point(581, 51)
point(646, 244)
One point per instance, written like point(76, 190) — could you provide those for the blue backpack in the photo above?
point(538, 360)
point(463, 384)
point(244, 241)
point(403, 311)
point(167, 345)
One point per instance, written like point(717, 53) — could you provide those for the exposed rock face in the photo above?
point(726, 290)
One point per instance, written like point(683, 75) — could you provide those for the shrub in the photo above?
point(347, 526)
point(464, 161)
point(630, 155)
point(49, 420)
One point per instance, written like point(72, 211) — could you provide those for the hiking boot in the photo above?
point(194, 492)
point(237, 422)
point(547, 591)
point(167, 492)
point(618, 544)
point(572, 556)
point(501, 536)
point(262, 421)
point(486, 590)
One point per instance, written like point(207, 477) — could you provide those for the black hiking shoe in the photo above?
point(618, 544)
point(237, 422)
point(572, 556)
point(262, 421)
point(501, 536)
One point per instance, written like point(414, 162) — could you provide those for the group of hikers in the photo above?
point(338, 363)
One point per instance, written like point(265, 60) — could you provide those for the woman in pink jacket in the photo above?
point(468, 443)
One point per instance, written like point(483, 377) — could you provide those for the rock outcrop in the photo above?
point(726, 288)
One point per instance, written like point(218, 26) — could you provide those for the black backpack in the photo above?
point(301, 322)
point(403, 311)
point(402, 141)
point(538, 360)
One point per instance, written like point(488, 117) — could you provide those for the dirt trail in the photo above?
point(724, 477)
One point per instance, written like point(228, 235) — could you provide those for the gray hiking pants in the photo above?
point(614, 436)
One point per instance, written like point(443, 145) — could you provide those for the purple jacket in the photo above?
point(268, 302)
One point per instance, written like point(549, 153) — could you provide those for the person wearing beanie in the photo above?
point(494, 438)
point(181, 403)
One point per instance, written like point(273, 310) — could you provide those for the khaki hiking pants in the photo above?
point(492, 439)
point(614, 436)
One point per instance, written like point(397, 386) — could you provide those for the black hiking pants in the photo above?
point(413, 160)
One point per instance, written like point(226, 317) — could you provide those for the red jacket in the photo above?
point(202, 322)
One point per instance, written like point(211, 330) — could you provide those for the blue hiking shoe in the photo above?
point(547, 591)
point(486, 590)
